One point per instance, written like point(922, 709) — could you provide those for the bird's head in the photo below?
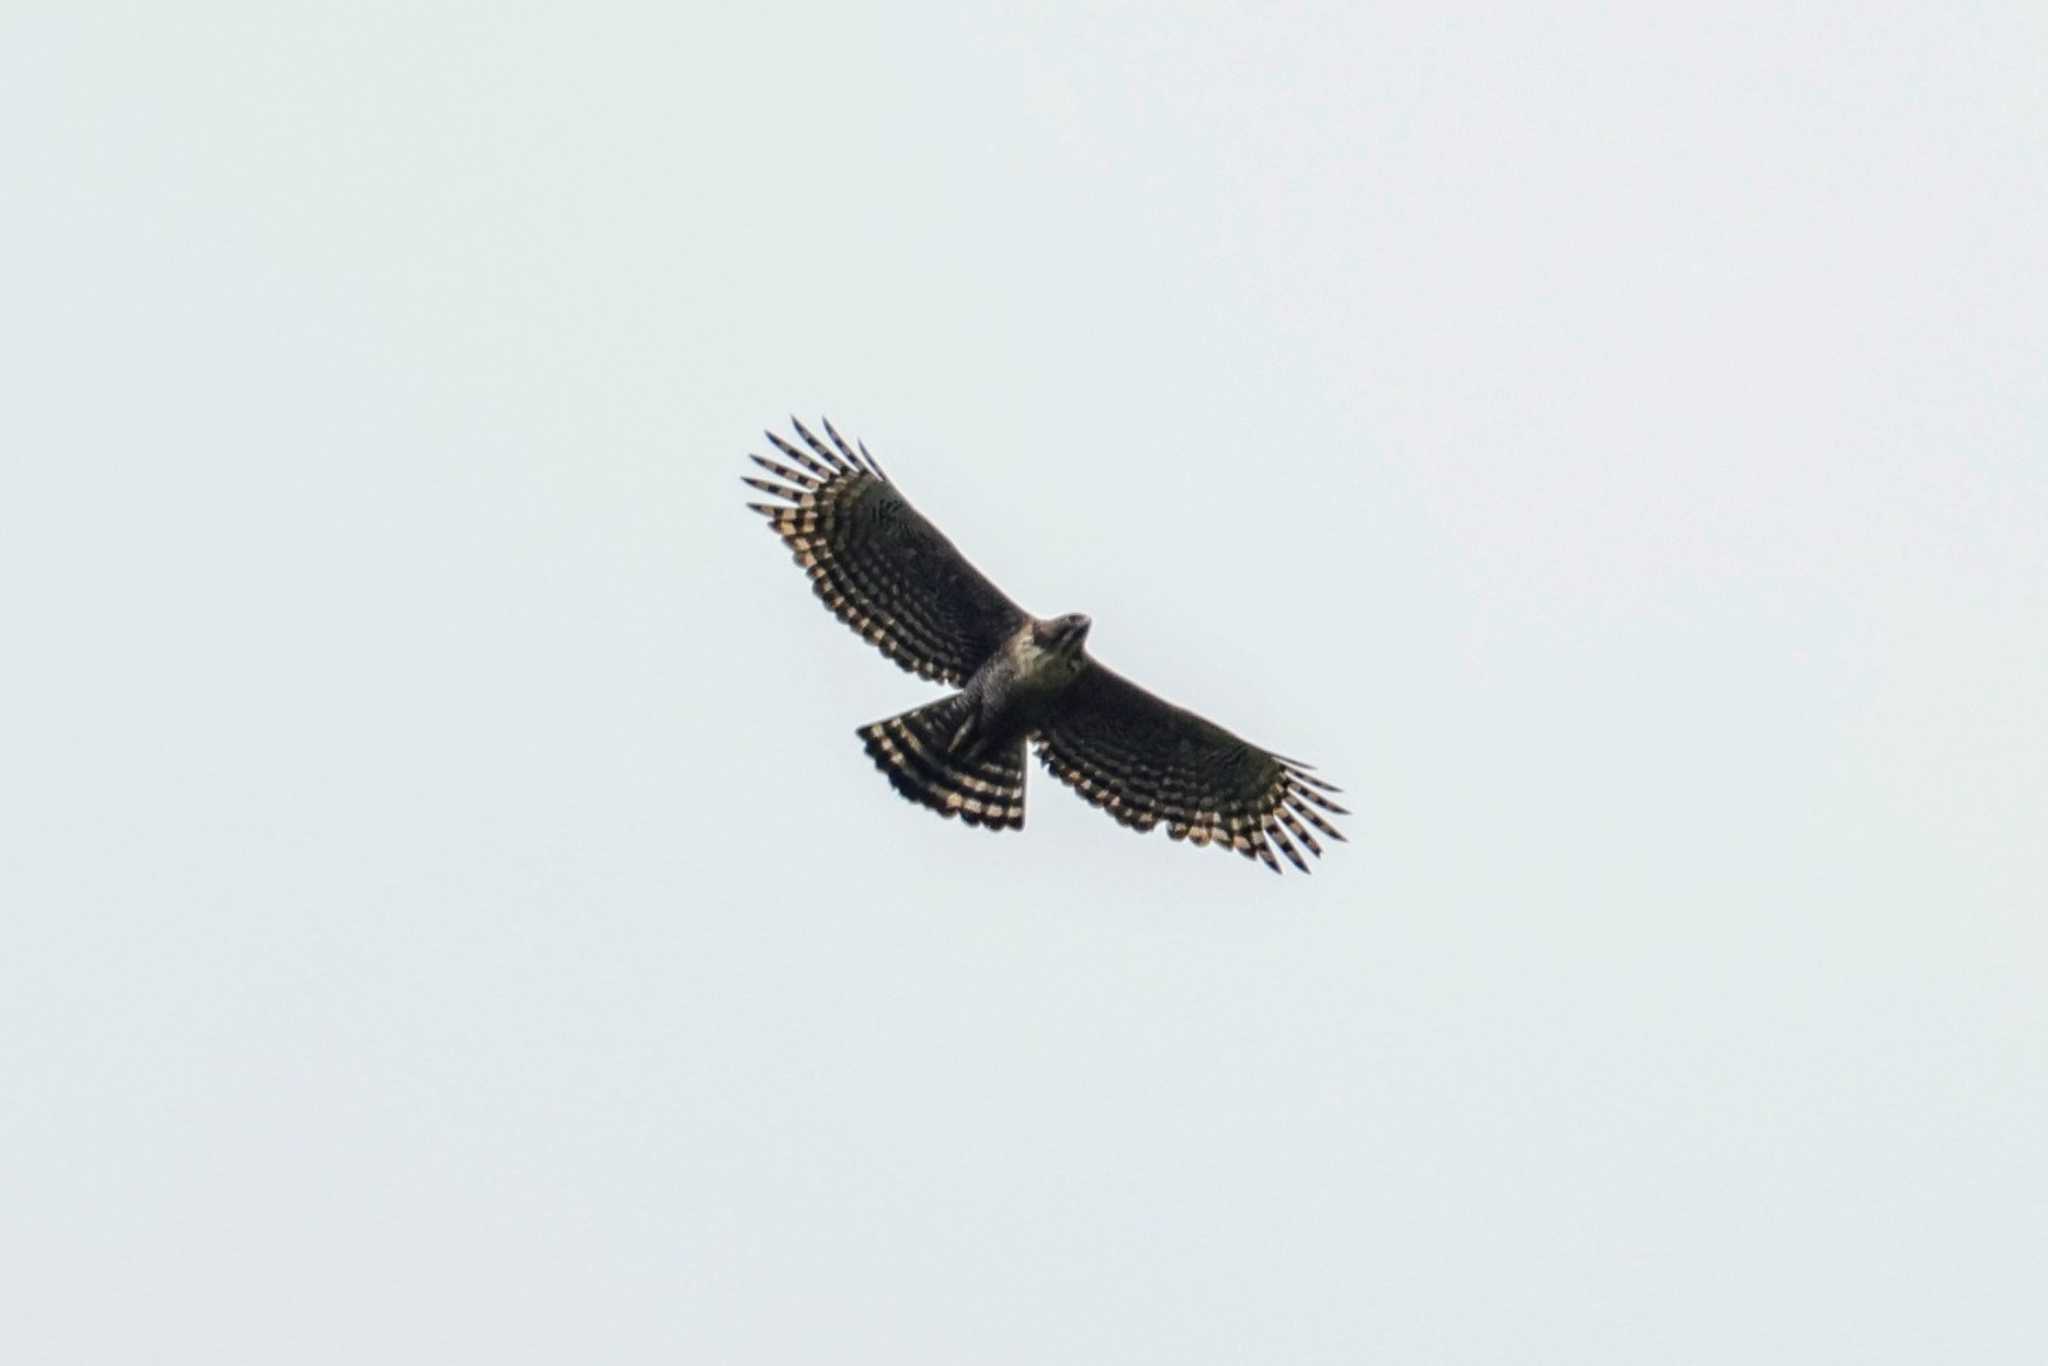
point(1062, 635)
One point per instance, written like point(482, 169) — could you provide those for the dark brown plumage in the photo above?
point(888, 573)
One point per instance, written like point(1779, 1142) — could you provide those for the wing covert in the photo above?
point(1144, 760)
point(878, 564)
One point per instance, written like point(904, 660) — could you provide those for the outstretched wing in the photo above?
point(882, 569)
point(1144, 760)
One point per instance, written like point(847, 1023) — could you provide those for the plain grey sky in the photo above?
point(449, 917)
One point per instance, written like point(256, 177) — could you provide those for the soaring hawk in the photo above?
point(888, 573)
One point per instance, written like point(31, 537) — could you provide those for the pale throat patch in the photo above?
point(1039, 667)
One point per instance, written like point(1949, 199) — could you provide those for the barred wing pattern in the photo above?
point(1144, 760)
point(880, 566)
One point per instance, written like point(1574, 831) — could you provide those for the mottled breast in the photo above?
point(1039, 671)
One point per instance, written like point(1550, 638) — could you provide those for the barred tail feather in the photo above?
point(913, 751)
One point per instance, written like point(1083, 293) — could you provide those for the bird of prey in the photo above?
point(888, 573)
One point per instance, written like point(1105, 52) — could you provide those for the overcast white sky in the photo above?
point(448, 915)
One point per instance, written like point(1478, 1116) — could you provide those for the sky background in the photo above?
point(447, 913)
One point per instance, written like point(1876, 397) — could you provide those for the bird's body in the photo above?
point(1020, 685)
point(889, 574)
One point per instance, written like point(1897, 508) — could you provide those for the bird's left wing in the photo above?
point(880, 566)
point(1144, 760)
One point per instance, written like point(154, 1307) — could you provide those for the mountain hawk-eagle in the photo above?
point(888, 573)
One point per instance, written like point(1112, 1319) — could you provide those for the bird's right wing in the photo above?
point(880, 566)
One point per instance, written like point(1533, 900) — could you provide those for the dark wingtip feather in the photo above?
point(826, 472)
point(847, 450)
point(1308, 813)
point(782, 471)
point(873, 463)
point(1279, 838)
point(1300, 832)
point(1310, 794)
point(778, 490)
point(819, 448)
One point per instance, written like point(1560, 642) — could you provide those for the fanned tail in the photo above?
point(915, 751)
